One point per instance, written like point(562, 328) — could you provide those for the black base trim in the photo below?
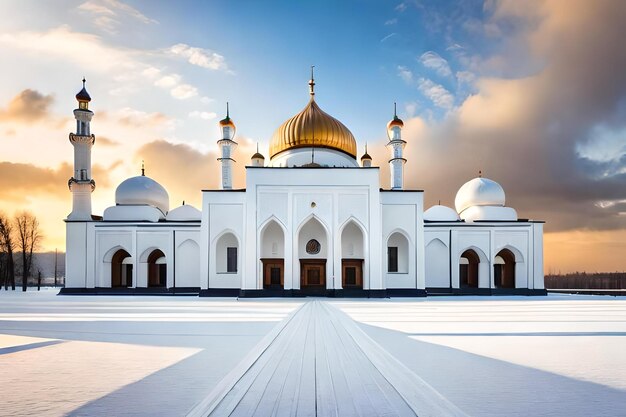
point(406, 292)
point(193, 291)
point(484, 291)
point(220, 292)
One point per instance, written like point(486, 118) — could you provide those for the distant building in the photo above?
point(311, 220)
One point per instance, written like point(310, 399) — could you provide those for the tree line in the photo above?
point(20, 237)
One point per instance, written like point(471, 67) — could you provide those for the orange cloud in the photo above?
point(27, 106)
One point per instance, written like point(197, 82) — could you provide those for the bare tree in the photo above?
point(7, 246)
point(28, 239)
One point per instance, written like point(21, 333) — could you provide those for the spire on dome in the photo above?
point(312, 84)
point(143, 169)
point(480, 173)
point(83, 97)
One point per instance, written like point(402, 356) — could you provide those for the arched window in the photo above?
point(157, 269)
point(398, 253)
point(504, 269)
point(121, 270)
point(272, 255)
point(468, 269)
point(227, 256)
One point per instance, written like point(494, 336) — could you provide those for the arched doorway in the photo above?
point(157, 269)
point(312, 251)
point(352, 256)
point(273, 256)
point(121, 270)
point(468, 269)
point(227, 254)
point(504, 269)
point(397, 253)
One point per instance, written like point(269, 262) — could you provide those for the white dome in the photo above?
point(479, 192)
point(440, 213)
point(184, 213)
point(142, 191)
point(489, 213)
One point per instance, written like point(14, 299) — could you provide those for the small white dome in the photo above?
point(479, 192)
point(184, 213)
point(142, 191)
point(440, 213)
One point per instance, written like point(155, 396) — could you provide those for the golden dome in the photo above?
point(312, 127)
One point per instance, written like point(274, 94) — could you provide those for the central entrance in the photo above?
point(313, 276)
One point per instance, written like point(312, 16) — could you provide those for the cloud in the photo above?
point(400, 7)
point(184, 91)
point(185, 171)
point(391, 22)
point(105, 141)
point(136, 118)
point(405, 74)
point(107, 13)
point(391, 35)
point(20, 182)
point(552, 134)
point(436, 93)
point(28, 106)
point(434, 61)
point(201, 57)
point(205, 115)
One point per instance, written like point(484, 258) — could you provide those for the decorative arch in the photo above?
point(108, 256)
point(121, 269)
point(398, 244)
point(275, 219)
point(314, 234)
point(157, 269)
point(504, 269)
point(227, 259)
point(143, 258)
point(437, 263)
point(272, 251)
point(470, 268)
point(187, 267)
point(353, 247)
point(403, 233)
point(519, 257)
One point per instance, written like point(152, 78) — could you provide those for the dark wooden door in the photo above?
point(312, 274)
point(273, 273)
point(352, 273)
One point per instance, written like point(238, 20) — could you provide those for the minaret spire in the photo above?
point(396, 146)
point(312, 84)
point(227, 147)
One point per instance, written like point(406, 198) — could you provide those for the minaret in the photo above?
point(366, 159)
point(227, 147)
point(81, 184)
point(396, 146)
point(258, 160)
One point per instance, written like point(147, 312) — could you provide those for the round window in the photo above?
point(313, 247)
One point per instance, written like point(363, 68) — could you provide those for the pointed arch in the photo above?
point(187, 267)
point(398, 246)
point(352, 240)
point(470, 270)
point(437, 263)
point(143, 258)
point(108, 256)
point(227, 259)
point(121, 269)
point(519, 257)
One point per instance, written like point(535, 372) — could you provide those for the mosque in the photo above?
point(311, 221)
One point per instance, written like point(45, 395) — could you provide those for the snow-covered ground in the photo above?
point(494, 356)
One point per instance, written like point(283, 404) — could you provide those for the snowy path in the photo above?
point(318, 362)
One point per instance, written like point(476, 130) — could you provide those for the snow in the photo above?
point(488, 356)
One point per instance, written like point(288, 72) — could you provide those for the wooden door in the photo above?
point(312, 273)
point(352, 273)
point(273, 273)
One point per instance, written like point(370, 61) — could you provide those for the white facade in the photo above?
point(311, 222)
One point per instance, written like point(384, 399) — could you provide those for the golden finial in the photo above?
point(312, 83)
point(143, 169)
